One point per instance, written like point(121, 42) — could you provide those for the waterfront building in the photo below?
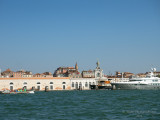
point(62, 71)
point(18, 74)
point(124, 74)
point(38, 75)
point(82, 83)
point(47, 74)
point(156, 73)
point(22, 74)
point(8, 73)
point(35, 83)
point(27, 74)
point(98, 71)
point(45, 80)
point(88, 74)
point(71, 72)
point(141, 75)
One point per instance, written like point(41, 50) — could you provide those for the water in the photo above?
point(80, 105)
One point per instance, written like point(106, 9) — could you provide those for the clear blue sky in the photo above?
point(41, 35)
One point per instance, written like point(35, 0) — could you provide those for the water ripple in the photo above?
point(80, 105)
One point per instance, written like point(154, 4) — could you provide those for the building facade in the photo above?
point(35, 83)
point(39, 81)
point(88, 74)
point(82, 83)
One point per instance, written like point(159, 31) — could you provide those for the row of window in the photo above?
point(154, 80)
point(86, 83)
point(38, 87)
point(80, 84)
point(25, 83)
point(155, 84)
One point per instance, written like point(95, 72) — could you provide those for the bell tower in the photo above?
point(98, 71)
point(76, 66)
point(97, 65)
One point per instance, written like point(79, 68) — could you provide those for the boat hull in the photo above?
point(135, 86)
point(27, 92)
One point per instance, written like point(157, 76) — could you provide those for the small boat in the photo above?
point(17, 92)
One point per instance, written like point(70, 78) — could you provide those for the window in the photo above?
point(76, 85)
point(64, 83)
point(63, 87)
point(72, 84)
point(89, 84)
point(98, 74)
point(38, 87)
point(51, 87)
point(38, 83)
point(11, 88)
point(86, 84)
point(80, 84)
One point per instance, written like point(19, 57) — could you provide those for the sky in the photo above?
point(42, 35)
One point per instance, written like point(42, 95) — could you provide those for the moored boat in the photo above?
point(17, 92)
point(150, 82)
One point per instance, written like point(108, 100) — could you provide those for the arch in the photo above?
point(51, 82)
point(72, 84)
point(51, 87)
point(80, 84)
point(11, 88)
point(25, 83)
point(11, 83)
point(86, 84)
point(89, 84)
point(64, 87)
point(98, 74)
point(76, 85)
point(93, 83)
point(38, 83)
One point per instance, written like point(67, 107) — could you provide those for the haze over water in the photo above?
point(80, 105)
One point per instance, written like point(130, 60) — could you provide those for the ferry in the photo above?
point(150, 82)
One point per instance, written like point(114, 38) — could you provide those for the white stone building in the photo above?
point(82, 83)
point(35, 83)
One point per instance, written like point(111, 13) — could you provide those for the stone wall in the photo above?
point(41, 83)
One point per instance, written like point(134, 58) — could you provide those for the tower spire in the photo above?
point(97, 64)
point(76, 66)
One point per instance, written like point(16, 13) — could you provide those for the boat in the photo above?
point(17, 92)
point(150, 82)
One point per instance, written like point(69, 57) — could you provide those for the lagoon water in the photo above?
point(80, 105)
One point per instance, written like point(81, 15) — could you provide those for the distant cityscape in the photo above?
point(64, 78)
point(71, 72)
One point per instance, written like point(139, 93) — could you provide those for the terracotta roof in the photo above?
point(37, 74)
point(8, 70)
